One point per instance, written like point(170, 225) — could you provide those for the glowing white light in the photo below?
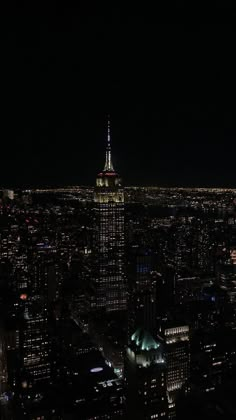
point(97, 369)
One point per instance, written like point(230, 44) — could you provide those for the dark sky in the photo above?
point(167, 77)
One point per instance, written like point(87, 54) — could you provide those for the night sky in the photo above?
point(166, 77)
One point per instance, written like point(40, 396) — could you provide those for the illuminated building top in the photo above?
point(144, 350)
point(108, 164)
point(144, 340)
point(108, 177)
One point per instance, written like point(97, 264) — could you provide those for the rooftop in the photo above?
point(144, 340)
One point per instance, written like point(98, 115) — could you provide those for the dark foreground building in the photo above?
point(145, 377)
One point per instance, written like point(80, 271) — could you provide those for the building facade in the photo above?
point(177, 355)
point(145, 377)
point(109, 276)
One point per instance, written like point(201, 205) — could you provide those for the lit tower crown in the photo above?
point(108, 164)
point(108, 177)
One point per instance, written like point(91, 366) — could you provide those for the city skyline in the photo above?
point(117, 212)
point(114, 303)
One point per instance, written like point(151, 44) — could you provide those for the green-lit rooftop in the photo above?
point(144, 340)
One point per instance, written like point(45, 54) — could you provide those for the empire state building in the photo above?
point(110, 284)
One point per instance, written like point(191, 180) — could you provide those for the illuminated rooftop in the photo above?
point(144, 340)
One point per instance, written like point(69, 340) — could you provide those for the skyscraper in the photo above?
point(34, 341)
point(177, 355)
point(109, 276)
point(145, 377)
point(142, 297)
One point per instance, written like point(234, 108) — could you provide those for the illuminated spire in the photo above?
point(108, 164)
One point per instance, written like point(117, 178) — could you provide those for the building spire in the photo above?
point(108, 164)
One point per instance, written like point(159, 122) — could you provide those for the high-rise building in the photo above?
point(145, 377)
point(109, 276)
point(34, 341)
point(31, 286)
point(177, 354)
point(143, 283)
